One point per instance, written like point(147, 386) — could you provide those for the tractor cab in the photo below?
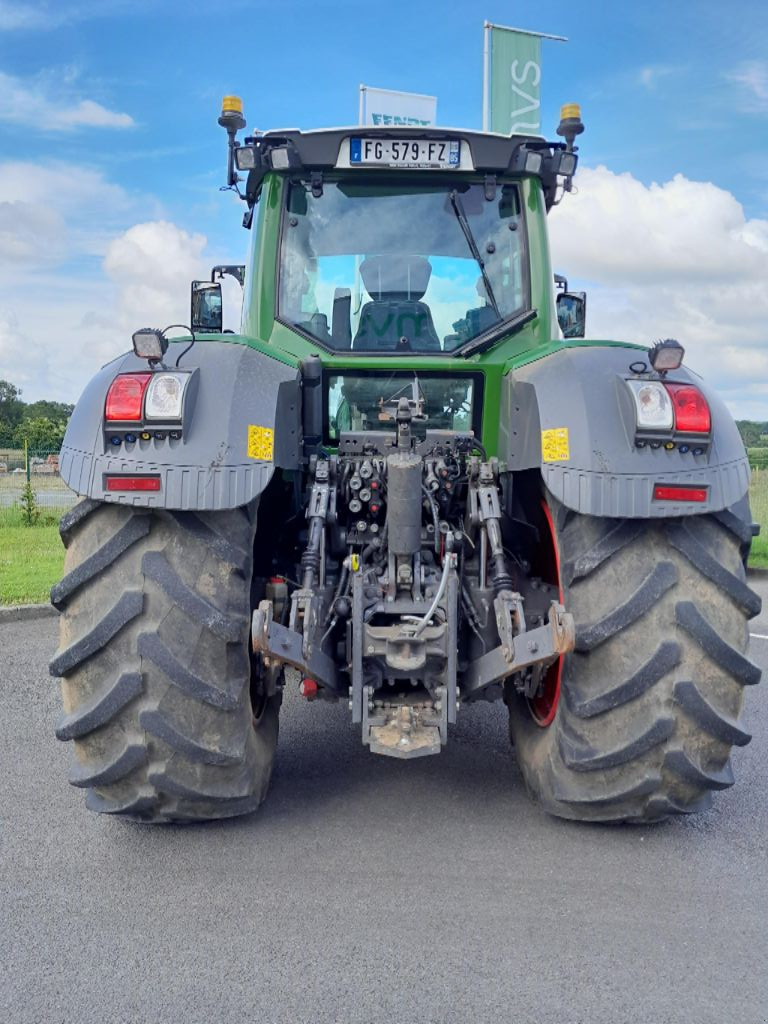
point(397, 241)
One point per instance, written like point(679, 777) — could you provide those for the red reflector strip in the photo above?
point(665, 492)
point(132, 483)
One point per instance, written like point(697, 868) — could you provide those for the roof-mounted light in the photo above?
point(231, 118)
point(564, 163)
point(666, 355)
point(533, 162)
point(232, 107)
point(570, 123)
point(284, 158)
point(246, 158)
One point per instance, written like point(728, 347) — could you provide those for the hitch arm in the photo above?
point(278, 644)
point(540, 646)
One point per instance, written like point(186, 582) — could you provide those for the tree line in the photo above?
point(40, 424)
point(753, 434)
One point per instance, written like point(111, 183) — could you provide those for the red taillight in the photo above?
point(125, 398)
point(691, 410)
point(132, 483)
point(675, 492)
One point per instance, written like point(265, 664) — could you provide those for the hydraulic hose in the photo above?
point(423, 623)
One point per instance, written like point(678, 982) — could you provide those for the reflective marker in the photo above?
point(132, 483)
point(676, 492)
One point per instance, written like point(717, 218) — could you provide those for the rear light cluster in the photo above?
point(145, 399)
point(669, 409)
point(125, 398)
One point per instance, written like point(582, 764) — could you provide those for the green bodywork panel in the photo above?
point(537, 340)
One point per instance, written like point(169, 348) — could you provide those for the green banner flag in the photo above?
point(513, 76)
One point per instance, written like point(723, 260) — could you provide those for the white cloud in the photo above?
point(677, 259)
point(152, 265)
point(55, 334)
point(80, 275)
point(51, 211)
point(21, 16)
point(652, 74)
point(30, 233)
point(46, 15)
point(752, 77)
point(16, 353)
point(46, 102)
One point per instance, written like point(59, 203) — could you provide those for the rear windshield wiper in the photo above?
point(492, 335)
point(461, 217)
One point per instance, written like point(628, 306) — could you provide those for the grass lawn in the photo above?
point(758, 500)
point(31, 558)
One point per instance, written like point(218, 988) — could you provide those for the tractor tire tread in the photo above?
point(650, 699)
point(157, 693)
point(102, 708)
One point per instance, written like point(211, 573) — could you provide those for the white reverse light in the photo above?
point(653, 406)
point(165, 396)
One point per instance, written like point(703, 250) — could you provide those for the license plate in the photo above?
point(405, 153)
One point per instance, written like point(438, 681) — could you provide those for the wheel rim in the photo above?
point(543, 707)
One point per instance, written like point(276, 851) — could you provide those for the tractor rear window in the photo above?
point(367, 400)
point(401, 267)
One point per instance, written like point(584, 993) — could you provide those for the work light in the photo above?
point(149, 343)
point(533, 162)
point(565, 163)
point(246, 158)
point(666, 355)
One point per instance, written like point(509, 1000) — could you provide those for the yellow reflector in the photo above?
point(570, 110)
point(232, 104)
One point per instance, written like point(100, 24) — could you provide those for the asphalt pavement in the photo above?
point(368, 889)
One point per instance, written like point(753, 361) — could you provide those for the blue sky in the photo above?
point(108, 120)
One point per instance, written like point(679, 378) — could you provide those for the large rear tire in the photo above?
point(167, 722)
point(645, 710)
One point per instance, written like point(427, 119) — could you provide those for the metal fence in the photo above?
point(758, 498)
point(38, 467)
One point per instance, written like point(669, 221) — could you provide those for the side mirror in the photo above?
point(206, 316)
point(572, 313)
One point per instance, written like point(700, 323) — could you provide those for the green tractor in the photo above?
point(408, 484)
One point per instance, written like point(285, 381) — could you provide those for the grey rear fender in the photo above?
point(236, 391)
point(580, 393)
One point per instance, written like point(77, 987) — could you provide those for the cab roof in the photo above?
point(490, 151)
point(291, 151)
